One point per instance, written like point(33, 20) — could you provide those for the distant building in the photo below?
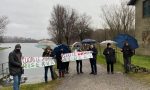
point(142, 25)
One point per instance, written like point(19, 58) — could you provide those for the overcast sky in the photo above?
point(29, 18)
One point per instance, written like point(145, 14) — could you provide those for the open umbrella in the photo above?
point(45, 43)
point(76, 44)
point(108, 41)
point(122, 38)
point(59, 47)
point(88, 41)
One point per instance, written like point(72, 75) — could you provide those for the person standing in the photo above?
point(15, 66)
point(67, 63)
point(78, 62)
point(109, 53)
point(127, 54)
point(93, 60)
point(60, 64)
point(48, 53)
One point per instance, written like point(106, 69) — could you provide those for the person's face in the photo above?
point(91, 46)
point(48, 50)
point(126, 44)
point(109, 46)
point(18, 49)
point(61, 50)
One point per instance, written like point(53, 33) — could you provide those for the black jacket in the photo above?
point(110, 55)
point(127, 51)
point(94, 52)
point(15, 64)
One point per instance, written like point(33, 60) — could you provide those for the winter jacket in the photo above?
point(109, 55)
point(127, 51)
point(15, 64)
point(94, 52)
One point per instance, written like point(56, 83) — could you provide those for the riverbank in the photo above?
point(2, 48)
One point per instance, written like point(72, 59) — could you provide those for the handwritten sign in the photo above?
point(36, 62)
point(77, 56)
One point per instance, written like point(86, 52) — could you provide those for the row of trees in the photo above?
point(18, 40)
point(67, 26)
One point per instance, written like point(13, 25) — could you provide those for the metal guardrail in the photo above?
point(4, 71)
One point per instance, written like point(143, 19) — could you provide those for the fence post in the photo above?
point(2, 69)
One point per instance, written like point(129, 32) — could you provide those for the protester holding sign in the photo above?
point(48, 53)
point(93, 60)
point(78, 62)
point(15, 66)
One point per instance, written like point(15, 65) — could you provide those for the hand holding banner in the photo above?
point(36, 62)
point(77, 56)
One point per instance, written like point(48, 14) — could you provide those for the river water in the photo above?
point(28, 49)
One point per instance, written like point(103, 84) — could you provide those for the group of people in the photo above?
point(92, 60)
point(16, 69)
point(110, 56)
point(63, 67)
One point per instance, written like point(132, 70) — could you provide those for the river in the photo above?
point(28, 49)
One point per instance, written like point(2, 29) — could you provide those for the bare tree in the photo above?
point(57, 23)
point(83, 26)
point(66, 25)
point(70, 19)
point(3, 23)
point(119, 18)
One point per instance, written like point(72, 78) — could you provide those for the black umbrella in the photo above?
point(88, 41)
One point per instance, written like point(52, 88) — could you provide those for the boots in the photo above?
point(61, 74)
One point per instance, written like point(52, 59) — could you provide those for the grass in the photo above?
point(40, 86)
point(2, 48)
point(143, 61)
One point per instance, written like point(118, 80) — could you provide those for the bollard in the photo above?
point(2, 69)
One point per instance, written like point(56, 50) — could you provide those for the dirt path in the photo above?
point(101, 81)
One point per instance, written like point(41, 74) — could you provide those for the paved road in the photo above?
point(102, 81)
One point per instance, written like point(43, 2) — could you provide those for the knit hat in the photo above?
point(18, 46)
point(108, 44)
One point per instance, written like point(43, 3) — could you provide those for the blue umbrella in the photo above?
point(122, 38)
point(59, 47)
point(88, 41)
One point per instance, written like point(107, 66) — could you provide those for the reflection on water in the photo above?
point(28, 49)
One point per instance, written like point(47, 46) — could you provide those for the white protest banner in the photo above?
point(77, 56)
point(36, 62)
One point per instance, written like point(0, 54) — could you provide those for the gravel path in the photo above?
point(101, 81)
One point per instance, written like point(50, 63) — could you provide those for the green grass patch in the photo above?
point(2, 48)
point(142, 61)
point(40, 86)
